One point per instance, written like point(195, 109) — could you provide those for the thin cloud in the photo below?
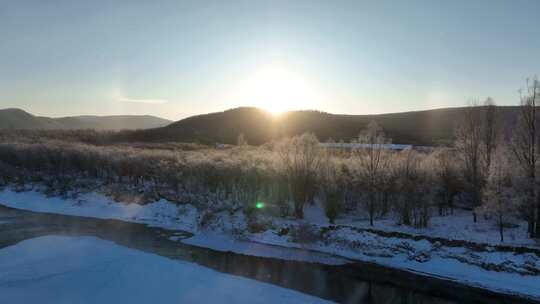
point(149, 101)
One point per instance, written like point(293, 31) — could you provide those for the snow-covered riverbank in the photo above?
point(507, 272)
point(159, 214)
point(56, 269)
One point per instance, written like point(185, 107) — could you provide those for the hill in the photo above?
point(19, 119)
point(430, 127)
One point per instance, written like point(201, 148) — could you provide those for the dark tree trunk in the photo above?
point(530, 227)
point(537, 221)
point(371, 207)
point(501, 227)
point(298, 211)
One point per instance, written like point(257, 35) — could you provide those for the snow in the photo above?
point(167, 215)
point(452, 263)
point(226, 243)
point(315, 214)
point(458, 226)
point(516, 273)
point(56, 269)
point(162, 213)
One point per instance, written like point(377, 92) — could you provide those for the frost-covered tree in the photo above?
point(374, 160)
point(412, 206)
point(301, 157)
point(446, 177)
point(499, 193)
point(490, 131)
point(525, 145)
point(241, 140)
point(388, 188)
point(331, 183)
point(469, 147)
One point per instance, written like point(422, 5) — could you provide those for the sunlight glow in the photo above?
point(277, 89)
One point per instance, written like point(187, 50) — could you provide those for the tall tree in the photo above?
point(331, 186)
point(374, 158)
point(525, 145)
point(469, 147)
point(489, 130)
point(301, 157)
point(448, 182)
point(499, 190)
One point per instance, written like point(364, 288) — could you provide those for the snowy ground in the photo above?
point(501, 271)
point(222, 242)
point(159, 214)
point(458, 226)
point(56, 269)
point(487, 268)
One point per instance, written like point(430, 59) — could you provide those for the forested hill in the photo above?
point(19, 119)
point(430, 127)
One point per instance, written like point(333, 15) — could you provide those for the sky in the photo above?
point(179, 58)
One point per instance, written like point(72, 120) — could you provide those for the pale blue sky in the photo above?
point(179, 58)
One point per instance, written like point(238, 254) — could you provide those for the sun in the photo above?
point(277, 90)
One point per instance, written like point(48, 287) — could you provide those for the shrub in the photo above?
point(305, 233)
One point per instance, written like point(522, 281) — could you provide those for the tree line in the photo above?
point(491, 168)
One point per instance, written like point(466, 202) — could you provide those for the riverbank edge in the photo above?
point(419, 280)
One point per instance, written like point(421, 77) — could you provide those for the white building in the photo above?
point(396, 147)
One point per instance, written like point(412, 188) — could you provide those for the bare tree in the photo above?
point(525, 145)
point(489, 130)
point(331, 182)
point(447, 181)
point(241, 140)
point(499, 190)
point(301, 156)
point(407, 172)
point(374, 161)
point(412, 206)
point(469, 147)
point(388, 188)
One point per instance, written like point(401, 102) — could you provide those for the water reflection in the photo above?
point(350, 283)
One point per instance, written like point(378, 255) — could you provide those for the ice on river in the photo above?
point(58, 269)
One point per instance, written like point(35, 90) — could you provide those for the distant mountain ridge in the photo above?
point(429, 127)
point(14, 118)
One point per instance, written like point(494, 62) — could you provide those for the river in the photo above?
point(353, 282)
